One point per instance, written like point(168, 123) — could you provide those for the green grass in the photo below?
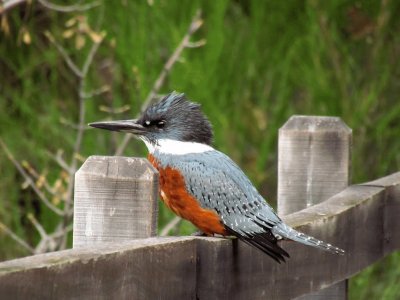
point(263, 62)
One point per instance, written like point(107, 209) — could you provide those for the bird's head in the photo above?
point(172, 118)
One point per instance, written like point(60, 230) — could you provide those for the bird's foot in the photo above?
point(218, 235)
point(198, 233)
point(201, 233)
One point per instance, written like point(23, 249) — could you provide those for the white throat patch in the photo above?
point(174, 147)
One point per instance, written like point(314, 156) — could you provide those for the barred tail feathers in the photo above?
point(287, 232)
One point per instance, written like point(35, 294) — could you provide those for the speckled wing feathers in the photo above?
point(219, 184)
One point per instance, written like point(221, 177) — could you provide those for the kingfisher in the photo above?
point(203, 185)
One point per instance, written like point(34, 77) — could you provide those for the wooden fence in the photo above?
point(116, 255)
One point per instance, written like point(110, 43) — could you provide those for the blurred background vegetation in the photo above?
point(251, 64)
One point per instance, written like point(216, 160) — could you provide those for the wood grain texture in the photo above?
point(392, 207)
point(314, 164)
point(139, 269)
point(314, 161)
point(358, 219)
point(115, 200)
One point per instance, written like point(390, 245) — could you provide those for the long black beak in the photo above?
point(131, 126)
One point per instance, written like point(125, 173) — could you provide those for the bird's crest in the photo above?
point(171, 103)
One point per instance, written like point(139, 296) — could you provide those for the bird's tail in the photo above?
point(287, 232)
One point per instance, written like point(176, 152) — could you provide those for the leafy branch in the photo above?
point(195, 24)
point(59, 196)
point(10, 4)
point(63, 188)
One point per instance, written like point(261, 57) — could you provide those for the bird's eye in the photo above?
point(160, 124)
point(146, 123)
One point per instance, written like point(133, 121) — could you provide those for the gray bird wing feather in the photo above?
point(219, 184)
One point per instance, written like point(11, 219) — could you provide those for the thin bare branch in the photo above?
point(82, 86)
point(195, 24)
point(39, 177)
point(69, 8)
point(92, 52)
point(46, 245)
point(68, 210)
point(65, 55)
point(82, 111)
point(193, 27)
point(58, 238)
point(16, 238)
point(9, 4)
point(47, 242)
point(61, 232)
point(171, 225)
point(21, 170)
point(60, 161)
point(42, 232)
point(72, 125)
point(197, 44)
point(114, 110)
point(96, 92)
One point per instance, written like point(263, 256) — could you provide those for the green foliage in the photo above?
point(263, 61)
point(379, 281)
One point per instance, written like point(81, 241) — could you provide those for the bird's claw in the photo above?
point(198, 233)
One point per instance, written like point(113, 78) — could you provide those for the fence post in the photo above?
point(313, 165)
point(115, 200)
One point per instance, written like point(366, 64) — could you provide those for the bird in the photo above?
point(203, 185)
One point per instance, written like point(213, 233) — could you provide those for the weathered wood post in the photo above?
point(314, 164)
point(115, 200)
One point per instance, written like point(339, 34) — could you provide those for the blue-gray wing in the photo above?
point(219, 184)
